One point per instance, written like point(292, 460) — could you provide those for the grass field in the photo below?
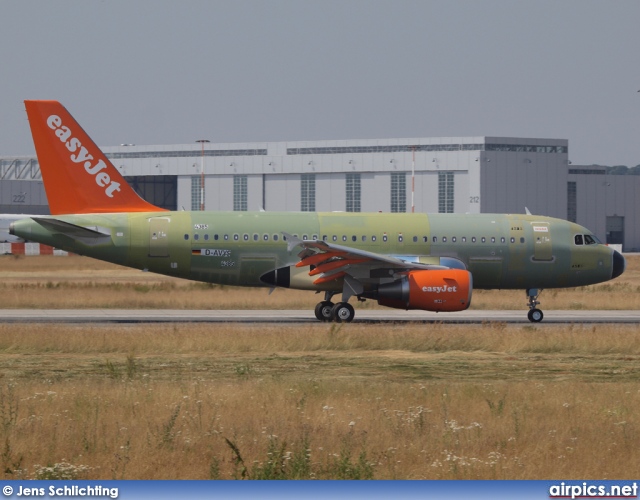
point(199, 401)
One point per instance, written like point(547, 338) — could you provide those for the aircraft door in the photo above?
point(159, 236)
point(542, 249)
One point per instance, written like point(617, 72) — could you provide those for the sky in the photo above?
point(172, 72)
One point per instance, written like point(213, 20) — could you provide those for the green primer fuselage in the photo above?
point(236, 248)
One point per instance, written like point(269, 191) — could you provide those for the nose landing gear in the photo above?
point(535, 315)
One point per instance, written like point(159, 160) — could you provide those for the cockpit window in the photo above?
point(586, 239)
point(589, 240)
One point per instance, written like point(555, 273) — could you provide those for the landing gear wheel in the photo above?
point(342, 312)
point(323, 310)
point(535, 315)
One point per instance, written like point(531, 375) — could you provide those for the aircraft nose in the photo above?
point(619, 264)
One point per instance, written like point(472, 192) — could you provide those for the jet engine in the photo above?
point(438, 290)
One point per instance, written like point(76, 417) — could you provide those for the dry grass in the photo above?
point(325, 401)
point(490, 401)
point(79, 282)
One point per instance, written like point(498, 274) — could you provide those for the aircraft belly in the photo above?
point(486, 271)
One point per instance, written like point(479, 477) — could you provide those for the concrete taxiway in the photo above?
point(303, 316)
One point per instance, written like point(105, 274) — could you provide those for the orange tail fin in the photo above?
point(78, 177)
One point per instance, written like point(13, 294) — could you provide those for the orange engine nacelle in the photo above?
point(448, 290)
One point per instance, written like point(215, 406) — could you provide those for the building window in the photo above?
point(353, 192)
point(196, 192)
point(240, 193)
point(572, 202)
point(399, 192)
point(445, 192)
point(308, 193)
point(159, 190)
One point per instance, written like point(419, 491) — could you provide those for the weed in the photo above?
point(168, 433)
point(214, 469)
point(11, 463)
point(8, 407)
point(113, 371)
point(61, 471)
point(131, 366)
point(497, 408)
point(243, 370)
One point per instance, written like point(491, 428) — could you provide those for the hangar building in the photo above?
point(450, 174)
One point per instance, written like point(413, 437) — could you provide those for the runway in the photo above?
point(91, 316)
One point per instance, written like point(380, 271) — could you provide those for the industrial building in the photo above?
point(446, 175)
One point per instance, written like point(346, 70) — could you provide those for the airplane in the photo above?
point(430, 262)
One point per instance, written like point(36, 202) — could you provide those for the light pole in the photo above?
point(413, 178)
point(202, 141)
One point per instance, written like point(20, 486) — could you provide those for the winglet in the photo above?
point(78, 177)
point(528, 212)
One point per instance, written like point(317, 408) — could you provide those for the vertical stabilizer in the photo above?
point(78, 177)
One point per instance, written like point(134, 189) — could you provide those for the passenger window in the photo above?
point(305, 237)
point(513, 240)
point(415, 239)
point(315, 237)
point(384, 238)
point(503, 240)
point(493, 240)
point(344, 237)
point(236, 237)
point(186, 236)
point(444, 239)
point(578, 239)
point(215, 237)
point(521, 240)
point(483, 239)
point(226, 237)
point(354, 238)
point(364, 238)
point(425, 239)
point(473, 239)
point(454, 239)
point(196, 237)
point(275, 237)
point(245, 237)
point(334, 238)
point(400, 239)
point(325, 237)
point(206, 237)
point(373, 238)
point(464, 239)
point(265, 237)
point(434, 239)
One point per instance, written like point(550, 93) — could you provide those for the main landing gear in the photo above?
point(342, 312)
point(535, 315)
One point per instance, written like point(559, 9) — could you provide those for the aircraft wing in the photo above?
point(330, 261)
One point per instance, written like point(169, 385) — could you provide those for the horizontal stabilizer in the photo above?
point(88, 236)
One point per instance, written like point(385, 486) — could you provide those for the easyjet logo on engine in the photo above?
point(439, 289)
point(79, 154)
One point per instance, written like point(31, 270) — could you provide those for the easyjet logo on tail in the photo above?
point(80, 155)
